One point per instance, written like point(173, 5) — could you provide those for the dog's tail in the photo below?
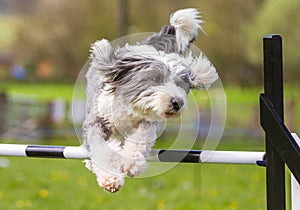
point(186, 22)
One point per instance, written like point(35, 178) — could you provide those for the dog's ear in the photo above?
point(102, 55)
point(202, 73)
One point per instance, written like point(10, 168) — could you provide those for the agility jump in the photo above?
point(158, 155)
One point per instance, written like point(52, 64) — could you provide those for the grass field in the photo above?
point(48, 91)
point(41, 91)
point(42, 184)
point(238, 100)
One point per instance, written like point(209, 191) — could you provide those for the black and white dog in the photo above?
point(130, 89)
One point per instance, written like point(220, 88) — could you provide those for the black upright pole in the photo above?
point(273, 87)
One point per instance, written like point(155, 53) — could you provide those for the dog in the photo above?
point(131, 89)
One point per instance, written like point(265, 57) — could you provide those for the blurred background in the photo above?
point(44, 45)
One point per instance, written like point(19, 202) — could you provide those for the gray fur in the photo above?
point(162, 42)
point(129, 77)
point(131, 88)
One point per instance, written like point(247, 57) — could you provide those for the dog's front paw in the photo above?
point(133, 164)
point(109, 181)
point(111, 184)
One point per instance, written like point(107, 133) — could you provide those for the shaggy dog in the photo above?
point(130, 89)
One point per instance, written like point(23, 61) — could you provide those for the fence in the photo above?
point(25, 117)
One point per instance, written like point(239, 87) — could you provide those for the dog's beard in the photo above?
point(156, 102)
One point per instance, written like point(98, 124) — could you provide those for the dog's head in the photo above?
point(150, 82)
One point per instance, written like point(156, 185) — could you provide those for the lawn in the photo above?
point(242, 103)
point(42, 184)
point(40, 91)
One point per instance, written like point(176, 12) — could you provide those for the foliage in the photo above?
point(61, 32)
point(8, 32)
point(58, 34)
point(280, 17)
point(226, 43)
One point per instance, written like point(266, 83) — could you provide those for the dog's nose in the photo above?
point(177, 103)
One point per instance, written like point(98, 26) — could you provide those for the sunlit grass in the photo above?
point(40, 91)
point(65, 184)
point(29, 183)
point(242, 103)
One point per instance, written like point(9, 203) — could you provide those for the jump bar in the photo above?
point(157, 155)
point(43, 151)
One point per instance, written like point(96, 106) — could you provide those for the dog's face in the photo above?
point(155, 88)
point(150, 83)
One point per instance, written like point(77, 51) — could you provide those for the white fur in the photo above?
point(159, 102)
point(205, 73)
point(118, 135)
point(187, 24)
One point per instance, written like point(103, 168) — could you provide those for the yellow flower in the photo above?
point(234, 205)
point(161, 205)
point(44, 193)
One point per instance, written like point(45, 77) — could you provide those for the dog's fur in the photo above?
point(131, 89)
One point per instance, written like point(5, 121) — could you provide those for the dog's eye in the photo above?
point(157, 79)
point(184, 77)
point(183, 81)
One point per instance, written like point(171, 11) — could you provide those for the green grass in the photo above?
point(242, 104)
point(40, 91)
point(65, 184)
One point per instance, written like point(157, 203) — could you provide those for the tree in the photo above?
point(280, 17)
point(61, 32)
